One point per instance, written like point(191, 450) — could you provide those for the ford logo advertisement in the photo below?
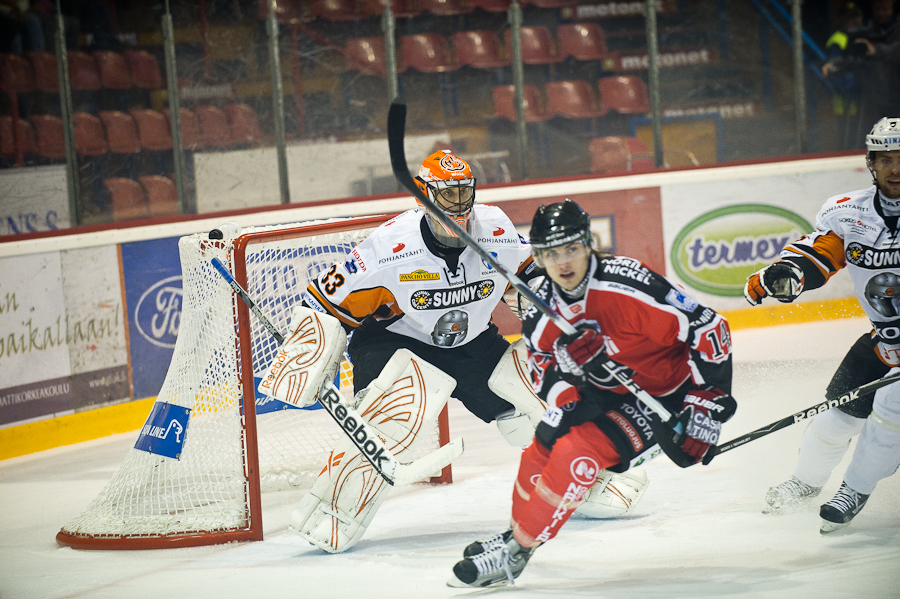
point(152, 273)
point(716, 252)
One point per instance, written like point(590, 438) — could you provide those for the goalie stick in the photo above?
point(806, 414)
point(396, 131)
point(352, 424)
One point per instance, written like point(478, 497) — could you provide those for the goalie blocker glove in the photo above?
point(782, 280)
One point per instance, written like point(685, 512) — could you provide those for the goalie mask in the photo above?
point(448, 182)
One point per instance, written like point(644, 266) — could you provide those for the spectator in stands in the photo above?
point(873, 58)
point(20, 28)
point(850, 24)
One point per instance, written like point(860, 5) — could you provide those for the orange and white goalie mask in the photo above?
point(448, 181)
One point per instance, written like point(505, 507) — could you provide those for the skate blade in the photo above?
point(828, 526)
point(456, 583)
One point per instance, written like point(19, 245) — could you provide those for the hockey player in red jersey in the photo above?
point(414, 288)
point(857, 230)
point(676, 349)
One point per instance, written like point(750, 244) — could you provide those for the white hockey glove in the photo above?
point(309, 357)
point(782, 280)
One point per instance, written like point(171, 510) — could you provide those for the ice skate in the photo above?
point(841, 509)
point(496, 566)
point(482, 545)
point(789, 495)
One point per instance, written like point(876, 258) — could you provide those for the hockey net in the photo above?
point(235, 443)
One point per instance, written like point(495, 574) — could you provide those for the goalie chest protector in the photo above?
point(394, 276)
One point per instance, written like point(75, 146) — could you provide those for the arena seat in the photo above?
point(626, 94)
point(90, 139)
point(492, 5)
point(537, 45)
point(127, 198)
point(366, 55)
point(445, 7)
point(26, 140)
point(504, 108)
point(214, 127)
point(84, 75)
point(162, 198)
point(336, 10)
point(16, 75)
point(479, 49)
point(427, 53)
point(616, 153)
point(572, 100)
point(582, 41)
point(114, 73)
point(48, 131)
point(144, 69)
point(121, 132)
point(244, 124)
point(191, 135)
point(153, 129)
point(46, 78)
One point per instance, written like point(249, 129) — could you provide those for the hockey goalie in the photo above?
point(418, 303)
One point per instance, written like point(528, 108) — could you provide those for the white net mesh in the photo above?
point(207, 488)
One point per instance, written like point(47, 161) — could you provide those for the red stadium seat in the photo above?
point(244, 124)
point(624, 94)
point(336, 10)
point(400, 8)
point(445, 7)
point(366, 55)
point(214, 127)
point(572, 99)
point(504, 107)
point(127, 198)
point(114, 73)
point(286, 11)
point(492, 5)
point(428, 53)
point(582, 41)
point(191, 135)
point(153, 129)
point(16, 75)
point(84, 75)
point(8, 140)
point(144, 69)
point(537, 45)
point(121, 132)
point(615, 154)
point(49, 133)
point(46, 78)
point(479, 49)
point(161, 195)
point(90, 140)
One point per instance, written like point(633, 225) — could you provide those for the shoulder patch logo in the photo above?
point(399, 247)
point(499, 231)
point(844, 199)
point(681, 301)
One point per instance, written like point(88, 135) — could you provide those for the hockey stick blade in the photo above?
point(217, 264)
point(396, 129)
point(373, 449)
point(832, 402)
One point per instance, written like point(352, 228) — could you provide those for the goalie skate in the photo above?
point(405, 400)
point(789, 496)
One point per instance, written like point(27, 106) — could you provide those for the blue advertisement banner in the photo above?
point(165, 430)
point(153, 296)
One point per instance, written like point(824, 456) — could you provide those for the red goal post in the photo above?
point(234, 444)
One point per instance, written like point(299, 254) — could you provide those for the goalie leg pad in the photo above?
point(511, 380)
point(404, 401)
point(309, 356)
point(516, 428)
point(614, 494)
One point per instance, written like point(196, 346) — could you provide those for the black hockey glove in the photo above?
point(579, 353)
point(782, 280)
point(688, 436)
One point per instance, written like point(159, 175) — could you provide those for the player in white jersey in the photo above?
point(857, 230)
point(414, 286)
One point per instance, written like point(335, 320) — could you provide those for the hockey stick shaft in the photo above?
point(396, 134)
point(246, 298)
point(803, 415)
point(352, 424)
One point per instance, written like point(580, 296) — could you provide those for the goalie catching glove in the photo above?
point(782, 280)
point(704, 412)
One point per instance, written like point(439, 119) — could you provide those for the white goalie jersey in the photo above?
point(394, 277)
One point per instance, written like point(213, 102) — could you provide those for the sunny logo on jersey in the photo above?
point(438, 299)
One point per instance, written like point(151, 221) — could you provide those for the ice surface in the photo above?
point(698, 532)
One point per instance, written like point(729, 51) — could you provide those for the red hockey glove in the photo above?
point(704, 410)
point(574, 352)
point(782, 280)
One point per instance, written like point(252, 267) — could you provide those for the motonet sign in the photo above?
point(716, 252)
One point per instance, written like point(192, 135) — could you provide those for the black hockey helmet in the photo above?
point(559, 224)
